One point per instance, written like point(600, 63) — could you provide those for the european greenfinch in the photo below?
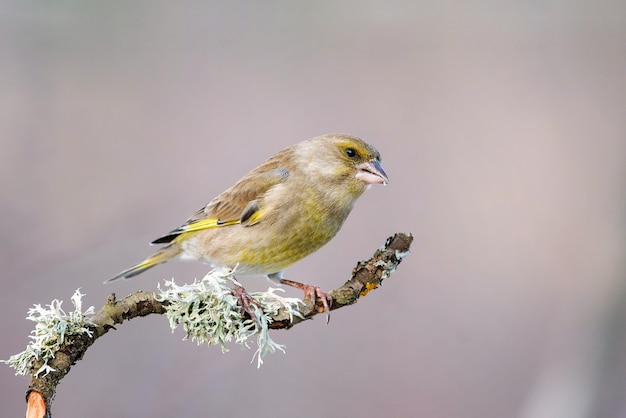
point(283, 210)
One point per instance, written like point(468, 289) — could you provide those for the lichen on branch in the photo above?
point(206, 309)
point(53, 327)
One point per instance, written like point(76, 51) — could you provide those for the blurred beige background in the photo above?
point(502, 126)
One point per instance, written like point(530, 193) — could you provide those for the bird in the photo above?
point(277, 214)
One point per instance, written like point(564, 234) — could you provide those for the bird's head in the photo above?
point(341, 161)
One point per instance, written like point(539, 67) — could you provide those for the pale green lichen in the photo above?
point(207, 309)
point(401, 254)
point(53, 326)
point(389, 266)
point(210, 313)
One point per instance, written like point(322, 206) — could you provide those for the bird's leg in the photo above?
point(245, 300)
point(314, 293)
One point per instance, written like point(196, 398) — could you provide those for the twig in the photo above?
point(366, 276)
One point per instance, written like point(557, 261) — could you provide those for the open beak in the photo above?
point(371, 172)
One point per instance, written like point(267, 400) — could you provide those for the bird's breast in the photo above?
point(289, 231)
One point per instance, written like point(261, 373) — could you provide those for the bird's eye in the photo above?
point(350, 152)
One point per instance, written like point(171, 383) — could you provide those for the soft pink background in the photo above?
point(502, 126)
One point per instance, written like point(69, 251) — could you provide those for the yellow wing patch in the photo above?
point(206, 224)
point(183, 232)
point(180, 233)
point(254, 218)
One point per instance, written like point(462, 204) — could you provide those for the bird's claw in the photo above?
point(314, 293)
point(246, 301)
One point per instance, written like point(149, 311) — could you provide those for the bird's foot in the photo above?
point(246, 301)
point(321, 299)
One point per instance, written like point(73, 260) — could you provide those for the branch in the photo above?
point(366, 276)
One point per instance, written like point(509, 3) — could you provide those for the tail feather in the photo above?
point(164, 254)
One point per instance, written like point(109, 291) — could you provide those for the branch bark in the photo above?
point(366, 276)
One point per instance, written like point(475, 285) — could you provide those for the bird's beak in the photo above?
point(371, 172)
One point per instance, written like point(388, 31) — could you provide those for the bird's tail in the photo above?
point(164, 254)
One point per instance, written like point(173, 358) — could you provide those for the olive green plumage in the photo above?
point(280, 212)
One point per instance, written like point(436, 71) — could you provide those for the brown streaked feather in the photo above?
point(231, 203)
point(235, 203)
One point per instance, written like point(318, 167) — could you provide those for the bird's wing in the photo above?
point(237, 205)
